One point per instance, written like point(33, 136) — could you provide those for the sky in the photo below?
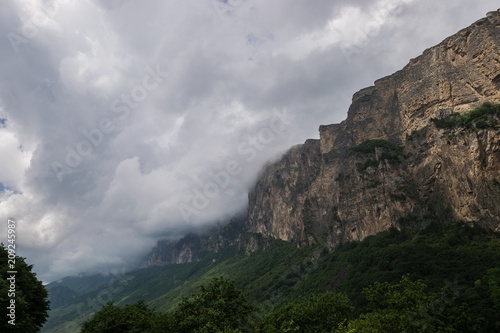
point(126, 121)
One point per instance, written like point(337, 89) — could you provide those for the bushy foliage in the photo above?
point(31, 300)
point(369, 146)
point(394, 307)
point(485, 116)
point(456, 253)
point(407, 306)
point(132, 318)
point(219, 307)
point(389, 152)
point(325, 312)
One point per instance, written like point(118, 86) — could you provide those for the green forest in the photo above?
point(441, 279)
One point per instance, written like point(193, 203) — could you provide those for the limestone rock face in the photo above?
point(416, 174)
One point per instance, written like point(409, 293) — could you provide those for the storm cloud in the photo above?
point(124, 121)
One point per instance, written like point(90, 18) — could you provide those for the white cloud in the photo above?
point(15, 159)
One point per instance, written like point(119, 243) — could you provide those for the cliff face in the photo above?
point(346, 187)
point(389, 164)
point(193, 246)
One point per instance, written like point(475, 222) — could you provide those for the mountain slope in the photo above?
point(455, 257)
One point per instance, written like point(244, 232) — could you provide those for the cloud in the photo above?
point(126, 121)
point(11, 171)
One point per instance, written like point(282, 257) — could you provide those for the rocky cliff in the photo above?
point(403, 157)
point(390, 163)
point(194, 246)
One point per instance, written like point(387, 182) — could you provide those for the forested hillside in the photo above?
point(445, 276)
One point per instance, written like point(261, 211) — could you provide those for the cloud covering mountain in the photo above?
point(125, 121)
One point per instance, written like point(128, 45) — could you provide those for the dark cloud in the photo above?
point(128, 121)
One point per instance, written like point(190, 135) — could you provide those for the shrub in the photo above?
point(485, 116)
point(390, 152)
point(368, 146)
point(318, 313)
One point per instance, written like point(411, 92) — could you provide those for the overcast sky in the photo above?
point(125, 121)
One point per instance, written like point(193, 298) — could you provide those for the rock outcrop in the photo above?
point(193, 247)
point(414, 173)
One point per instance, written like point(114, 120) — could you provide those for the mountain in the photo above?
point(408, 183)
point(348, 186)
point(391, 163)
point(195, 246)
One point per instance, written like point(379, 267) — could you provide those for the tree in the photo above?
point(406, 306)
point(396, 307)
point(132, 318)
point(218, 307)
point(326, 312)
point(29, 294)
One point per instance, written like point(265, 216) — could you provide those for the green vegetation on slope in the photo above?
point(458, 265)
point(389, 152)
point(369, 146)
point(325, 312)
point(144, 284)
point(485, 116)
point(404, 306)
point(136, 317)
